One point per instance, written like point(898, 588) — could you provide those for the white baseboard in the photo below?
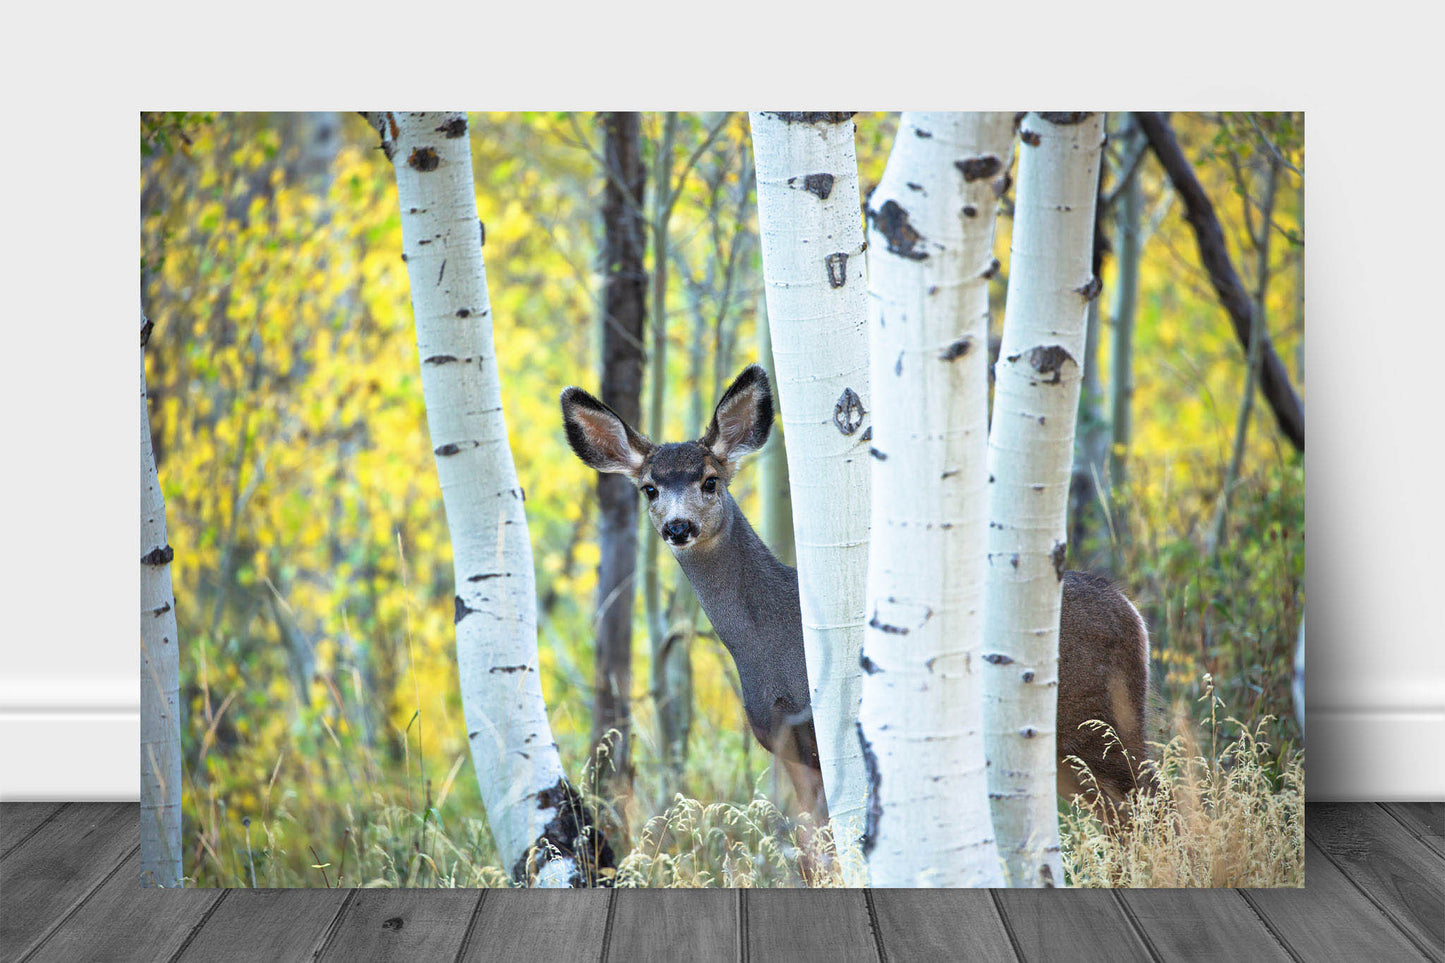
point(1381, 755)
point(69, 756)
point(69, 740)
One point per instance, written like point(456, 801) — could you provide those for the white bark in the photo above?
point(811, 236)
point(160, 713)
point(930, 244)
point(517, 764)
point(1031, 444)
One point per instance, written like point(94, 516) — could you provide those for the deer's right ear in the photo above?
point(600, 437)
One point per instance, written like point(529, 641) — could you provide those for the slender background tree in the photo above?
point(623, 319)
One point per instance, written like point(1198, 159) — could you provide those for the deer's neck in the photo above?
point(750, 597)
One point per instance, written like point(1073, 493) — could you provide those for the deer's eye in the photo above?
point(650, 492)
point(709, 485)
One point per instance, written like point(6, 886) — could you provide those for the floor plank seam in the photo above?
point(1403, 825)
point(1008, 926)
point(471, 928)
point(41, 825)
point(1415, 833)
point(1269, 926)
point(1403, 930)
point(1134, 924)
point(334, 926)
point(607, 926)
point(196, 930)
point(874, 927)
point(65, 917)
point(742, 925)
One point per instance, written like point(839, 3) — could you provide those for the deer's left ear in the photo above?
point(744, 417)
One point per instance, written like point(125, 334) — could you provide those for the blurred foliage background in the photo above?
point(323, 741)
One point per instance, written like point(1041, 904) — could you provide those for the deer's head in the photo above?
point(685, 483)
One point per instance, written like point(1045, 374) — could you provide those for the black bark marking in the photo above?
point(810, 116)
point(1014, 560)
point(997, 658)
point(573, 833)
point(1066, 118)
point(1060, 549)
point(158, 556)
point(1002, 184)
point(820, 184)
point(440, 359)
point(837, 265)
point(1028, 732)
point(898, 365)
point(884, 627)
point(953, 352)
point(875, 783)
point(486, 575)
point(462, 611)
point(1046, 875)
point(481, 233)
point(992, 269)
point(464, 312)
point(1091, 288)
point(970, 211)
point(508, 669)
point(950, 473)
point(877, 454)
point(868, 665)
point(1031, 138)
point(848, 412)
point(891, 220)
point(162, 610)
point(454, 128)
point(1028, 675)
point(424, 159)
point(977, 168)
point(1049, 359)
point(453, 449)
point(914, 187)
point(443, 271)
point(867, 434)
point(921, 133)
point(474, 733)
point(145, 332)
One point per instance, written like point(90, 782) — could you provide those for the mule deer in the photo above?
point(752, 598)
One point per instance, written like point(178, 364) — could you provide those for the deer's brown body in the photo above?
point(752, 599)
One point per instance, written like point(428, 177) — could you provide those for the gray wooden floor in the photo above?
point(1376, 891)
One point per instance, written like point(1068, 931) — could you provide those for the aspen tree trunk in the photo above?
point(1031, 442)
point(624, 312)
point(160, 710)
point(811, 237)
point(671, 663)
point(1126, 295)
point(930, 243)
point(543, 832)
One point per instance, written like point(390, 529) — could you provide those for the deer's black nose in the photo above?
point(677, 530)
